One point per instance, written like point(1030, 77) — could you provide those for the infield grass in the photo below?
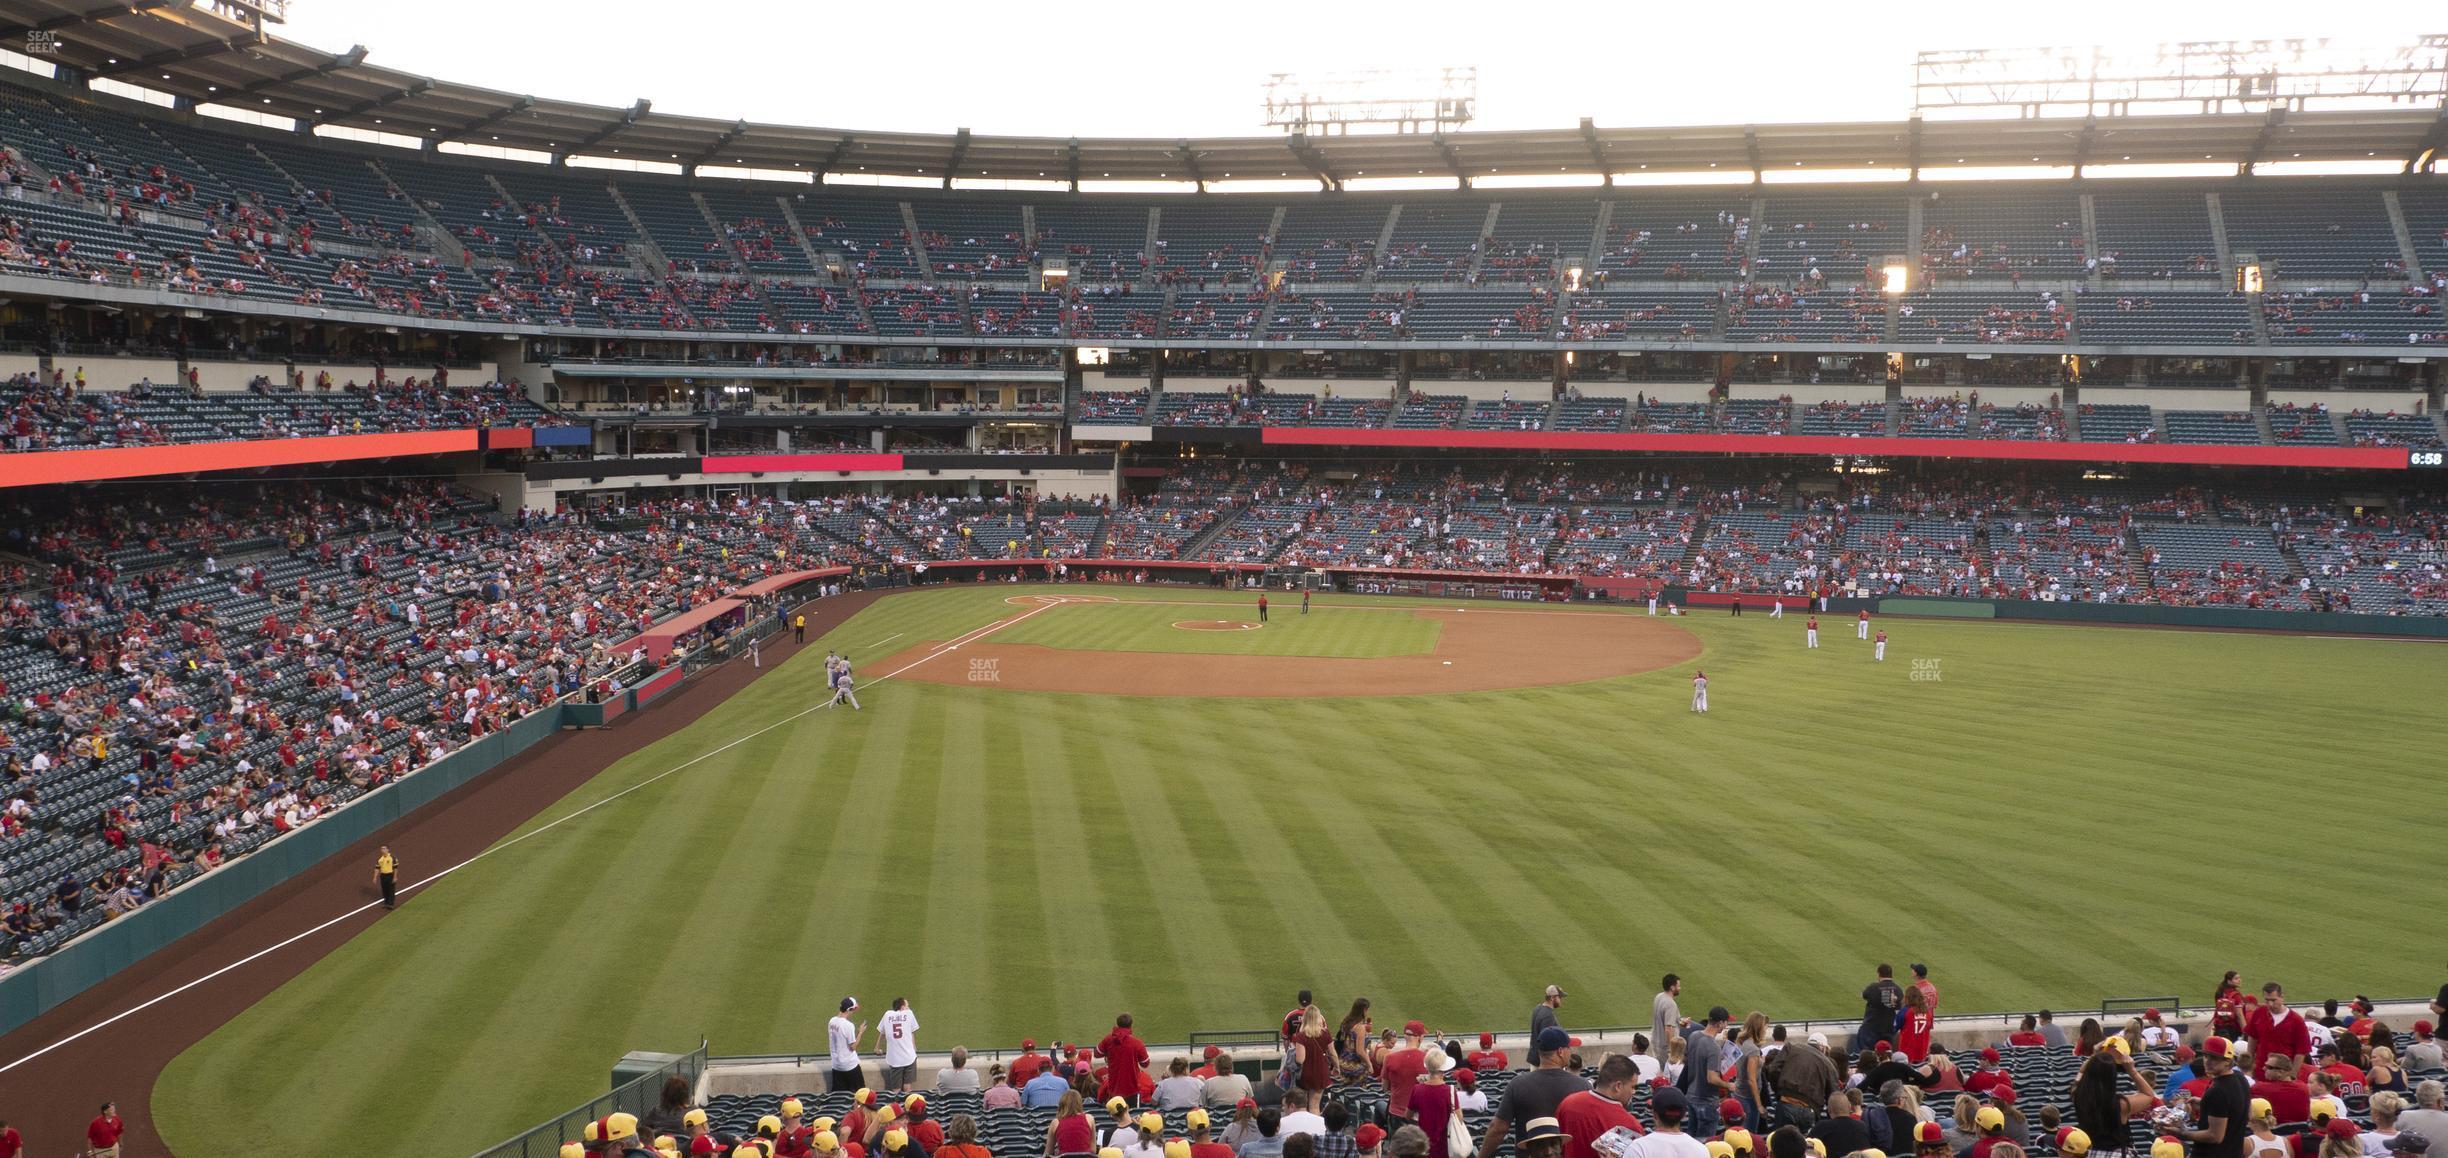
point(1156, 625)
point(2046, 815)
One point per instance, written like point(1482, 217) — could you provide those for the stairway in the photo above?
point(428, 228)
point(647, 252)
point(917, 240)
point(520, 207)
point(1215, 530)
point(807, 245)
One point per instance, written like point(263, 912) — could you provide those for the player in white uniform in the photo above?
point(1879, 652)
point(1776, 610)
point(1653, 603)
point(1861, 626)
point(1700, 691)
point(842, 685)
point(1810, 632)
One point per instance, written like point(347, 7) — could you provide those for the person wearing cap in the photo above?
point(2409, 1144)
point(1536, 1093)
point(1368, 1141)
point(573, 1150)
point(2225, 1107)
point(1587, 1114)
point(1199, 1125)
point(1488, 1059)
point(1177, 1090)
point(1207, 1069)
point(2155, 1032)
point(1989, 1076)
point(694, 1131)
point(1705, 1065)
point(1403, 1068)
point(842, 1038)
point(1146, 1137)
point(795, 1139)
point(922, 1126)
point(1025, 1068)
point(1541, 1138)
point(1467, 1094)
point(2426, 1053)
point(1125, 1061)
point(899, 1030)
point(1803, 1078)
point(1668, 1109)
point(1543, 1017)
point(1433, 1099)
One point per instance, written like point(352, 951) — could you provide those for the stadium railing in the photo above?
point(636, 1096)
point(2161, 615)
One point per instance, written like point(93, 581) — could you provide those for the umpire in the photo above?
point(386, 874)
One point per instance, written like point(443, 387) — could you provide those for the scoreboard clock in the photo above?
point(2422, 459)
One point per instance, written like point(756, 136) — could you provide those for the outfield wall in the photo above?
point(2155, 615)
point(89, 960)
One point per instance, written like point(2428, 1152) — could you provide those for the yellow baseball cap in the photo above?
point(1718, 1149)
point(2325, 1108)
point(1195, 1120)
point(914, 1102)
point(1989, 1118)
point(1110, 1151)
point(821, 1123)
point(1816, 1146)
point(1150, 1124)
point(574, 1149)
point(895, 1140)
point(2261, 1108)
point(666, 1144)
point(693, 1118)
point(769, 1125)
point(791, 1108)
point(1177, 1149)
point(1739, 1140)
point(825, 1142)
point(865, 1096)
point(2072, 1142)
point(1116, 1106)
point(619, 1126)
point(886, 1114)
point(1873, 1152)
point(2167, 1148)
point(2118, 1043)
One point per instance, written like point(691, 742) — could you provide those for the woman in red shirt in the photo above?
point(1071, 1132)
point(1432, 1100)
point(1913, 1041)
point(2227, 1008)
point(1316, 1052)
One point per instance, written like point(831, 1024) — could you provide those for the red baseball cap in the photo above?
point(1576, 1043)
point(1369, 1136)
point(1213, 1051)
point(2150, 1015)
point(1929, 1134)
point(1414, 1029)
point(1883, 1047)
point(1246, 1104)
point(2218, 1047)
point(2343, 1128)
point(2003, 1095)
point(1990, 1054)
point(1488, 1040)
point(1730, 1109)
point(1028, 1043)
point(2184, 1053)
point(2422, 1027)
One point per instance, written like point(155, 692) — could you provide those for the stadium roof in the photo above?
point(191, 52)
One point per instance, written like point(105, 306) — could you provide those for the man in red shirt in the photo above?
point(1125, 1061)
point(1587, 1114)
point(2276, 1031)
point(1988, 1077)
point(1402, 1070)
point(1488, 1059)
point(2351, 1082)
point(2290, 1100)
point(10, 1144)
point(102, 1136)
point(1202, 1142)
point(1209, 1070)
point(1028, 1064)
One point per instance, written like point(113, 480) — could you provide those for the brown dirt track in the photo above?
point(49, 1100)
point(1477, 650)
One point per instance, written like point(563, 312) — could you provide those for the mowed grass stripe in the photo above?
point(2065, 814)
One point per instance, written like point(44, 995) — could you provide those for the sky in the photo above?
point(1172, 68)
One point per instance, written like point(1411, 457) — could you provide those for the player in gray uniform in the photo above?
point(842, 684)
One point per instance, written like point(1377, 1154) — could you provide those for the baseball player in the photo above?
point(1878, 651)
point(1262, 608)
point(1653, 603)
point(1776, 610)
point(1810, 631)
point(1304, 601)
point(842, 684)
point(1861, 627)
point(1700, 691)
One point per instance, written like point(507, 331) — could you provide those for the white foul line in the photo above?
point(888, 639)
point(966, 637)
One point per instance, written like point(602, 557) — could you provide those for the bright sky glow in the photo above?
point(1108, 68)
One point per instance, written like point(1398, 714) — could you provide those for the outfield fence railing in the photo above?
point(635, 1096)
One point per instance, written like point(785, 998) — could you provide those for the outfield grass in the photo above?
point(2061, 814)
point(1343, 633)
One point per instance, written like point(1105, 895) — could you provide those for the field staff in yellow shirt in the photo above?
point(386, 874)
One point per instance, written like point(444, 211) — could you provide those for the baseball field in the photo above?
point(1062, 803)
